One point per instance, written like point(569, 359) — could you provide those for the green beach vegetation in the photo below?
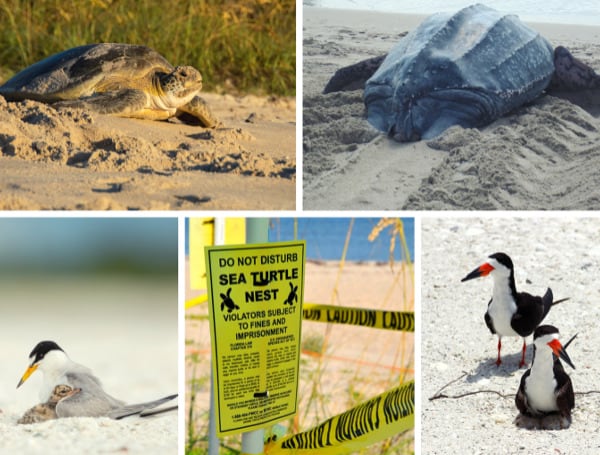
point(239, 46)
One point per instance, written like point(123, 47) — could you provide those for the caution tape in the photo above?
point(380, 319)
point(386, 415)
point(196, 301)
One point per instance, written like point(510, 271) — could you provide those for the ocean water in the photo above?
point(325, 237)
point(583, 12)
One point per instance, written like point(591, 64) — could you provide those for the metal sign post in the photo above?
point(257, 231)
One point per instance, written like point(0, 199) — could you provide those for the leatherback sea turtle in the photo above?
point(467, 69)
point(125, 80)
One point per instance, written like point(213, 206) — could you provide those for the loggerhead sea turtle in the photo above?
point(125, 80)
point(467, 69)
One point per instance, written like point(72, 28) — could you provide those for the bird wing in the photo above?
point(91, 401)
point(488, 320)
point(140, 408)
point(521, 397)
point(547, 302)
point(565, 398)
point(530, 313)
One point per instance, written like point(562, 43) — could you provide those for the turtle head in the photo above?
point(181, 84)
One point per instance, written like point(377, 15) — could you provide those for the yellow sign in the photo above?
point(255, 293)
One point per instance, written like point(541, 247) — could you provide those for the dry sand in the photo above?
point(543, 156)
point(560, 253)
point(69, 159)
point(359, 362)
point(125, 331)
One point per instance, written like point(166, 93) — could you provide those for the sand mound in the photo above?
point(72, 137)
point(95, 153)
point(333, 124)
point(539, 157)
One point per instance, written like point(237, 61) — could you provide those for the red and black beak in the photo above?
point(560, 352)
point(482, 270)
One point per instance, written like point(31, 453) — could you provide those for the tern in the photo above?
point(511, 313)
point(545, 388)
point(91, 400)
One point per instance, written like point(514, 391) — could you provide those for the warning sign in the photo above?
point(255, 294)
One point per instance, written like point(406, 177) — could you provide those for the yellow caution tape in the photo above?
point(380, 319)
point(196, 301)
point(386, 415)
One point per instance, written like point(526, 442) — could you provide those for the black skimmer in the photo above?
point(511, 313)
point(546, 390)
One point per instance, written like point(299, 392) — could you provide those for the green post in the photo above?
point(257, 231)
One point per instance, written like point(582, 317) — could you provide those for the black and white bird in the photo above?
point(545, 389)
point(511, 313)
point(91, 400)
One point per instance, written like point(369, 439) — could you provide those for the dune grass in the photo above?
point(239, 46)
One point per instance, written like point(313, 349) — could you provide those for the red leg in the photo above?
point(522, 364)
point(498, 361)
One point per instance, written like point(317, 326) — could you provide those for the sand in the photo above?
point(560, 253)
point(71, 159)
point(359, 362)
point(542, 156)
point(125, 331)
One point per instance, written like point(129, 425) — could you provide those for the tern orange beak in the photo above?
point(559, 351)
point(27, 373)
point(482, 270)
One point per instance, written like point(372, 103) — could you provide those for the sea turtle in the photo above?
point(228, 302)
point(292, 296)
point(467, 68)
point(125, 80)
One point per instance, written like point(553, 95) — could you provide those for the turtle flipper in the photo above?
point(571, 73)
point(122, 103)
point(353, 77)
point(197, 111)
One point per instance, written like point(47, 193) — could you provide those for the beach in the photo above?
point(545, 155)
point(458, 352)
point(69, 159)
point(357, 363)
point(124, 330)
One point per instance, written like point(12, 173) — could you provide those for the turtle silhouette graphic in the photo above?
point(292, 297)
point(228, 302)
